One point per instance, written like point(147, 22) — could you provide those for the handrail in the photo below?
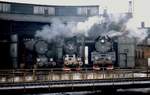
point(60, 69)
point(34, 75)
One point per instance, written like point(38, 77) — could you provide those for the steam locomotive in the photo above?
point(70, 54)
point(39, 53)
point(71, 57)
point(104, 54)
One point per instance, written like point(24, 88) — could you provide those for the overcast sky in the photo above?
point(141, 7)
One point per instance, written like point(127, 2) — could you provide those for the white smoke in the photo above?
point(58, 28)
point(139, 34)
point(128, 28)
point(115, 33)
point(112, 25)
point(84, 27)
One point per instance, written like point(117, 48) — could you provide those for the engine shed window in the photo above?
point(82, 11)
point(4, 7)
point(44, 10)
point(87, 11)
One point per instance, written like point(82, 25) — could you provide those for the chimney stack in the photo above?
point(130, 10)
point(142, 24)
point(105, 14)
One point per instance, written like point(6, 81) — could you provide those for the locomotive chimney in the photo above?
point(142, 24)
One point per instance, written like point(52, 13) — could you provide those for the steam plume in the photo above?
point(111, 25)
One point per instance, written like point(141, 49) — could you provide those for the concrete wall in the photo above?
point(126, 52)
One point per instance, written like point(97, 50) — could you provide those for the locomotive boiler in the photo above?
point(104, 55)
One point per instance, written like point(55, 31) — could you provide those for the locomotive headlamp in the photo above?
point(96, 58)
point(51, 59)
point(102, 40)
point(38, 59)
point(109, 58)
point(78, 59)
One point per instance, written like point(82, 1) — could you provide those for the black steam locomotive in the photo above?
point(71, 57)
point(70, 54)
point(39, 53)
point(104, 54)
